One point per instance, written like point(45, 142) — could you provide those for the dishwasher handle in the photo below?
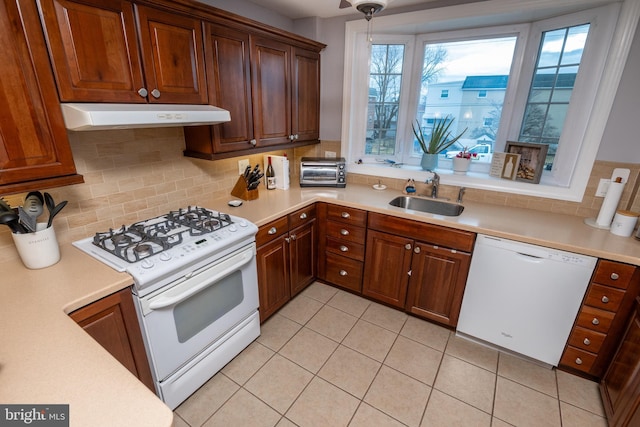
point(529, 258)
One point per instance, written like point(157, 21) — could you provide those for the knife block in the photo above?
point(240, 190)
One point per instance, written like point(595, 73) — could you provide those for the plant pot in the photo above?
point(429, 162)
point(461, 165)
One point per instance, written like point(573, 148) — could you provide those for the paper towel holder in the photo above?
point(623, 174)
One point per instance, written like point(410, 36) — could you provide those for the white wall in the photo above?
point(253, 11)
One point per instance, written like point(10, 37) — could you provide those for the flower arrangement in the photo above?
point(465, 154)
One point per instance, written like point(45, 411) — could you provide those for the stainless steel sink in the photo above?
point(433, 206)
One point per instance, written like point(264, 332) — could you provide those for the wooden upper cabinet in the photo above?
point(34, 148)
point(305, 107)
point(95, 51)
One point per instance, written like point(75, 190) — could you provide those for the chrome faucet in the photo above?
point(460, 194)
point(435, 183)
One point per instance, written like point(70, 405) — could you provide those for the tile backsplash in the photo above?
point(136, 174)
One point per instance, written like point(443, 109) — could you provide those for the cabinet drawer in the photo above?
point(345, 248)
point(302, 216)
point(604, 297)
point(595, 319)
point(586, 339)
point(344, 272)
point(578, 359)
point(346, 232)
point(272, 230)
point(614, 274)
point(347, 215)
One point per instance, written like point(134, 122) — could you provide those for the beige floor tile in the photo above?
point(309, 349)
point(528, 373)
point(206, 400)
point(323, 404)
point(496, 422)
point(525, 407)
point(445, 411)
point(398, 395)
point(426, 333)
point(576, 417)
point(279, 382)
point(179, 422)
point(472, 352)
point(349, 303)
point(319, 292)
point(247, 363)
point(276, 331)
point(466, 382)
point(244, 409)
point(414, 359)
point(367, 416)
point(351, 371)
point(384, 316)
point(370, 339)
point(332, 323)
point(579, 392)
point(284, 422)
point(300, 309)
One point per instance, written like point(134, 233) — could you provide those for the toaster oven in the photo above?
point(323, 172)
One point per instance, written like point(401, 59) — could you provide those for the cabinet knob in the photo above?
point(614, 276)
point(293, 237)
point(587, 341)
point(143, 92)
point(408, 246)
point(343, 273)
point(253, 142)
point(344, 232)
point(343, 248)
point(578, 361)
point(288, 240)
point(605, 299)
point(595, 321)
point(416, 250)
point(292, 137)
point(272, 230)
point(295, 136)
point(303, 215)
point(155, 93)
point(345, 215)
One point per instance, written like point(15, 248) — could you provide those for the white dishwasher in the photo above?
point(522, 297)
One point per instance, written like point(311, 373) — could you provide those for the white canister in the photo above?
point(623, 223)
point(39, 249)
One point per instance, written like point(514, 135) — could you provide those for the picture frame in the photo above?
point(532, 159)
point(504, 165)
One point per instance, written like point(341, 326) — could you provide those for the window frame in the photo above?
point(448, 18)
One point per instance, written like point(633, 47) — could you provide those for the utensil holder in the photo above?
point(240, 190)
point(39, 249)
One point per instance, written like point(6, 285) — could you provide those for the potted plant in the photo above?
point(439, 141)
point(462, 161)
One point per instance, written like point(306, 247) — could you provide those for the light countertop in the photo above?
point(45, 358)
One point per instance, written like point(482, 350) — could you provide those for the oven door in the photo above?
point(182, 319)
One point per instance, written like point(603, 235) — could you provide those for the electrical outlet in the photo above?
point(242, 165)
point(330, 154)
point(603, 186)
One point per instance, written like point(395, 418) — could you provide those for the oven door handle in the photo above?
point(228, 266)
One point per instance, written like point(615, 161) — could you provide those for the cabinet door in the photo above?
point(94, 51)
point(302, 247)
point(173, 57)
point(34, 149)
point(270, 60)
point(273, 276)
point(305, 100)
point(387, 263)
point(436, 287)
point(113, 323)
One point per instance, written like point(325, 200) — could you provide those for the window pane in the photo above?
point(554, 78)
point(385, 82)
point(474, 98)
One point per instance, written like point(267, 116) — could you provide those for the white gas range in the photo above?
point(195, 291)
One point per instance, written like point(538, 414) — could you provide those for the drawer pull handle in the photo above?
point(605, 299)
point(303, 215)
point(272, 230)
point(578, 361)
point(345, 215)
point(344, 232)
point(587, 341)
point(343, 273)
point(595, 321)
point(343, 248)
point(614, 276)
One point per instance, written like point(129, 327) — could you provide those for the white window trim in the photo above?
point(448, 18)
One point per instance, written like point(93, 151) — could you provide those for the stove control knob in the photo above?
point(243, 223)
point(146, 263)
point(232, 228)
point(164, 256)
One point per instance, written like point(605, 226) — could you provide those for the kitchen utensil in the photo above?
point(11, 219)
point(4, 206)
point(52, 207)
point(27, 220)
point(33, 205)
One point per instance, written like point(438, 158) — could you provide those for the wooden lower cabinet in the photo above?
point(620, 387)
point(113, 323)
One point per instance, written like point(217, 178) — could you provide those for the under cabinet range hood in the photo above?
point(79, 116)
